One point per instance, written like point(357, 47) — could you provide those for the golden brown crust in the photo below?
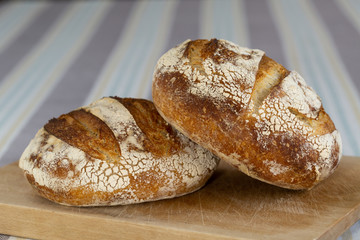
point(161, 139)
point(87, 132)
point(114, 151)
point(249, 110)
point(268, 76)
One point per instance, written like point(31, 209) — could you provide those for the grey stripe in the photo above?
point(339, 26)
point(72, 89)
point(3, 5)
point(185, 23)
point(21, 46)
point(263, 32)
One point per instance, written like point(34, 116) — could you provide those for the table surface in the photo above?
point(231, 206)
point(58, 55)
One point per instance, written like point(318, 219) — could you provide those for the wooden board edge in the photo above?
point(28, 223)
point(145, 230)
point(342, 225)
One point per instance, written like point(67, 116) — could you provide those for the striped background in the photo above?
point(56, 56)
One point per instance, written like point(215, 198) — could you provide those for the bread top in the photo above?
point(114, 151)
point(256, 114)
point(214, 69)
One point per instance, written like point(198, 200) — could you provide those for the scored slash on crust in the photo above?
point(249, 110)
point(68, 163)
point(87, 132)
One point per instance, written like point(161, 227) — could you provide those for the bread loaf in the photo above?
point(249, 110)
point(114, 151)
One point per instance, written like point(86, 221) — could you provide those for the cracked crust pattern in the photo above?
point(114, 151)
point(249, 110)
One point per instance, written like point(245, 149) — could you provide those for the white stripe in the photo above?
point(224, 20)
point(222, 25)
point(162, 37)
point(10, 14)
point(127, 81)
point(344, 87)
point(206, 18)
point(286, 37)
point(301, 65)
point(128, 71)
point(350, 12)
point(355, 230)
point(295, 54)
point(240, 26)
point(115, 57)
point(32, 100)
point(22, 14)
point(333, 55)
point(14, 77)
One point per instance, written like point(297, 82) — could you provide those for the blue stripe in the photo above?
point(223, 21)
point(9, 20)
point(355, 230)
point(310, 49)
point(134, 59)
point(302, 37)
point(143, 79)
point(155, 13)
point(39, 71)
point(355, 4)
point(326, 73)
point(48, 59)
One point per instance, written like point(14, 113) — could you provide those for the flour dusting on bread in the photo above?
point(62, 168)
point(219, 75)
point(249, 110)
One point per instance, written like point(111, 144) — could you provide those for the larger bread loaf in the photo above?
point(249, 110)
point(114, 151)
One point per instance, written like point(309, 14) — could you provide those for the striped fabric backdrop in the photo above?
point(57, 56)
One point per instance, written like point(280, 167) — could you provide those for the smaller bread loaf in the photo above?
point(249, 110)
point(114, 151)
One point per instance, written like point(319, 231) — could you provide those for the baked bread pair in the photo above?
point(234, 103)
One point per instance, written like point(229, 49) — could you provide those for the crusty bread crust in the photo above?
point(248, 110)
point(114, 151)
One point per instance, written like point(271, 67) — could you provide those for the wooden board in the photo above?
point(230, 206)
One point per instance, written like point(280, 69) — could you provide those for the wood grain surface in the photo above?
point(230, 206)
